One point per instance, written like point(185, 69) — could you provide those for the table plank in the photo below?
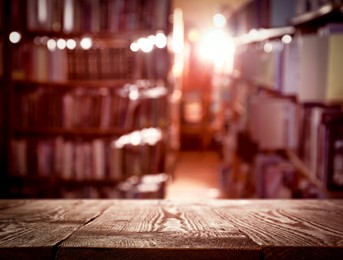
point(303, 229)
point(159, 229)
point(38, 226)
point(10, 203)
point(155, 229)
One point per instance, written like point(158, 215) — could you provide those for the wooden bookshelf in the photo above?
point(278, 77)
point(85, 100)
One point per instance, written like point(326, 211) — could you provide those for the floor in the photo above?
point(196, 176)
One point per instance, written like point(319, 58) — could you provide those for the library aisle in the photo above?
point(196, 176)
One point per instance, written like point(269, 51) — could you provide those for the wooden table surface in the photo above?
point(164, 229)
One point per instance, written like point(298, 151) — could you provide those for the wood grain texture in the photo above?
point(156, 229)
point(304, 229)
point(162, 229)
point(38, 226)
point(10, 203)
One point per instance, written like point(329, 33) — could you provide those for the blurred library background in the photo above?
point(150, 99)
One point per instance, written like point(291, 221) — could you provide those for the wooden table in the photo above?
point(163, 229)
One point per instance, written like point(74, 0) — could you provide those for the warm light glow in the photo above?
point(151, 135)
point(155, 92)
point(15, 37)
point(178, 65)
point(135, 138)
point(219, 48)
point(71, 44)
point(193, 35)
point(161, 40)
point(145, 45)
point(286, 39)
point(86, 43)
point(134, 94)
point(268, 47)
point(253, 34)
point(178, 31)
point(61, 44)
point(51, 44)
point(152, 39)
point(219, 20)
point(148, 136)
point(134, 47)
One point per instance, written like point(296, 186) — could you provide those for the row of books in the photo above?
point(37, 63)
point(97, 159)
point(330, 151)
point(262, 14)
point(98, 64)
point(308, 67)
point(275, 177)
point(94, 15)
point(322, 140)
point(314, 130)
point(273, 13)
point(125, 108)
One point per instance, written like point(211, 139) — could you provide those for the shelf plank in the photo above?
point(23, 84)
point(329, 11)
point(106, 35)
point(264, 34)
point(71, 132)
point(53, 180)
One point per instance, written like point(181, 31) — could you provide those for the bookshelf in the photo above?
point(289, 133)
point(88, 96)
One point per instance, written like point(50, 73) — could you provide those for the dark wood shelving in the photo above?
point(123, 37)
point(66, 101)
point(70, 132)
point(116, 83)
point(329, 13)
point(63, 181)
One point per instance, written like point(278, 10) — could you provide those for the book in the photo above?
point(68, 160)
point(44, 158)
point(334, 81)
point(58, 66)
point(331, 151)
point(274, 177)
point(19, 163)
point(98, 159)
point(273, 123)
point(321, 58)
point(290, 80)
